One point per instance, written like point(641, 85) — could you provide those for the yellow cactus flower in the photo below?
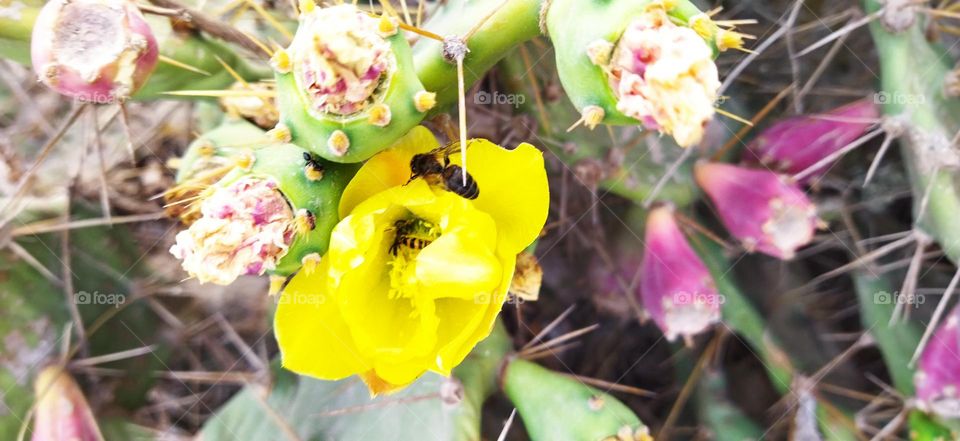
point(415, 274)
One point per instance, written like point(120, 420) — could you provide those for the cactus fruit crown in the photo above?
point(341, 61)
point(88, 37)
point(93, 50)
point(347, 87)
point(244, 228)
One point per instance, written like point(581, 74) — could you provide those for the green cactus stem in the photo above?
point(478, 375)
point(726, 421)
point(495, 27)
point(897, 343)
point(915, 100)
point(923, 427)
point(559, 408)
point(202, 53)
point(741, 316)
point(16, 25)
point(930, 119)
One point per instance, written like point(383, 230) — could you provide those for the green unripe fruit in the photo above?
point(348, 117)
point(586, 35)
point(574, 26)
point(289, 185)
point(312, 188)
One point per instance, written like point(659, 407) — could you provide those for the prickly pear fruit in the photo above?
point(346, 86)
point(254, 203)
point(938, 373)
point(62, 410)
point(676, 287)
point(795, 144)
point(637, 62)
point(98, 51)
point(766, 211)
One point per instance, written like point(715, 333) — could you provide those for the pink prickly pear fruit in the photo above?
point(62, 411)
point(98, 51)
point(676, 287)
point(796, 144)
point(766, 211)
point(938, 372)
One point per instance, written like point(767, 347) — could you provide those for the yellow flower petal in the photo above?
point(460, 323)
point(459, 337)
point(513, 189)
point(458, 264)
point(313, 337)
point(391, 329)
point(384, 328)
point(389, 168)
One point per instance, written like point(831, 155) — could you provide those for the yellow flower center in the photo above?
point(411, 235)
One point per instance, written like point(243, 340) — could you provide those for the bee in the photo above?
point(435, 167)
point(404, 237)
point(415, 243)
point(313, 168)
point(304, 221)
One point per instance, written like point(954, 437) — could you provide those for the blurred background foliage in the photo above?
point(175, 360)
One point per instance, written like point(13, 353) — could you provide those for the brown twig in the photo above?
point(216, 28)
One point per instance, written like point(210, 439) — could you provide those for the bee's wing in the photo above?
point(450, 149)
point(446, 150)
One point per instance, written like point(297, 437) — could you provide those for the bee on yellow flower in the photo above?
point(415, 274)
